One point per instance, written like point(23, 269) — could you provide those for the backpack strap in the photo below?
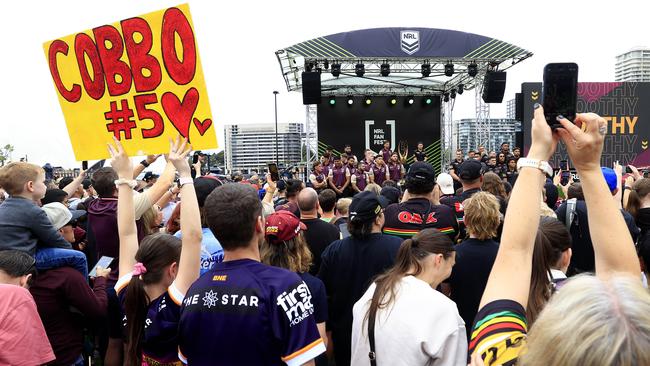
point(570, 212)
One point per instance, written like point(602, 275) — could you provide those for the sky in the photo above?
point(237, 41)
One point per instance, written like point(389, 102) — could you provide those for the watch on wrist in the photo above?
point(144, 163)
point(542, 165)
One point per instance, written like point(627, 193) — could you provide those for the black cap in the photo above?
point(421, 171)
point(391, 194)
point(204, 186)
point(366, 206)
point(470, 170)
point(150, 175)
point(53, 195)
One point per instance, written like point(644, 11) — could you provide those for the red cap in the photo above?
point(282, 225)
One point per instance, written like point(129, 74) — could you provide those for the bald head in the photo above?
point(308, 200)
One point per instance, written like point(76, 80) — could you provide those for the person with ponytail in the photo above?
point(413, 323)
point(154, 276)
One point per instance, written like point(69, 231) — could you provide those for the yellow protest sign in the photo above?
point(139, 80)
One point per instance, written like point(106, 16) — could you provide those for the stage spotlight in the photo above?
point(367, 101)
point(332, 101)
point(350, 100)
point(359, 69)
point(461, 88)
point(426, 70)
point(472, 69)
point(392, 100)
point(326, 64)
point(449, 69)
point(410, 100)
point(336, 70)
point(309, 66)
point(385, 69)
point(427, 100)
point(446, 97)
point(452, 94)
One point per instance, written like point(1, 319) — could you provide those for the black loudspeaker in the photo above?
point(519, 107)
point(311, 88)
point(494, 86)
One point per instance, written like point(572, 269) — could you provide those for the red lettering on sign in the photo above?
point(57, 47)
point(110, 47)
point(84, 46)
point(138, 50)
point(141, 102)
point(175, 22)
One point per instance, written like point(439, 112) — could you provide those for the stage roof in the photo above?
point(405, 50)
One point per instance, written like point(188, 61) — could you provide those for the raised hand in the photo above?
point(178, 151)
point(119, 160)
point(543, 140)
point(584, 140)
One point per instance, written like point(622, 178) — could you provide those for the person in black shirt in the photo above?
point(510, 173)
point(492, 166)
point(453, 168)
point(319, 234)
point(420, 209)
point(475, 255)
point(419, 154)
point(471, 177)
point(349, 265)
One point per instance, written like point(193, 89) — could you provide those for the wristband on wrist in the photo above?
point(185, 180)
point(130, 182)
point(542, 165)
point(144, 163)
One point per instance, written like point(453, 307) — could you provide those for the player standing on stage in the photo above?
point(338, 177)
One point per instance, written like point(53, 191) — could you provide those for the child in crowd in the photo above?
point(24, 225)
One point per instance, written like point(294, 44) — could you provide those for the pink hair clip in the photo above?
point(139, 269)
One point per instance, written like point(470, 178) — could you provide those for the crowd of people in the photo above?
point(368, 261)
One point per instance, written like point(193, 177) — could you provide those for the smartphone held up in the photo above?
point(560, 92)
point(273, 171)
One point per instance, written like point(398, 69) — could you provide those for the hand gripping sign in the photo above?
point(139, 80)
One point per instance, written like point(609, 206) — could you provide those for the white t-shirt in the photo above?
point(421, 327)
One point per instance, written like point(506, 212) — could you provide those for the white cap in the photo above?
point(58, 214)
point(446, 183)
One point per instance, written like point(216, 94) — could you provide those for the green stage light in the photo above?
point(367, 101)
point(392, 101)
point(332, 101)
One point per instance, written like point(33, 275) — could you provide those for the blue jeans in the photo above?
point(48, 258)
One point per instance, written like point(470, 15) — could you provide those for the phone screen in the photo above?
point(273, 170)
point(98, 165)
point(103, 262)
point(84, 165)
point(564, 165)
point(564, 178)
point(195, 158)
point(560, 91)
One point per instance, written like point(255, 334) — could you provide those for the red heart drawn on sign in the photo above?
point(202, 126)
point(180, 113)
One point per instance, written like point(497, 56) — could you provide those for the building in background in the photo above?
point(501, 130)
point(511, 109)
point(633, 65)
point(252, 146)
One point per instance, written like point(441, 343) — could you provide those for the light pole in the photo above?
point(275, 96)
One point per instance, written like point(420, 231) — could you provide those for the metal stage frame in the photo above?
point(404, 79)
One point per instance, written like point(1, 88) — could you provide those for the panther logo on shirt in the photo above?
point(296, 303)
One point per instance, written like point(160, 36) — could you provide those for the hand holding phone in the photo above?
point(100, 268)
point(560, 92)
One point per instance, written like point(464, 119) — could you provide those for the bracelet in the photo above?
point(144, 163)
point(130, 182)
point(185, 180)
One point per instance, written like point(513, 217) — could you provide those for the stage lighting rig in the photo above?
point(359, 69)
point(326, 64)
point(350, 100)
point(461, 88)
point(385, 69)
point(452, 94)
point(426, 70)
point(449, 69)
point(446, 97)
point(309, 66)
point(336, 70)
point(472, 69)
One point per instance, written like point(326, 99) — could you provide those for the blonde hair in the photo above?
point(14, 176)
point(591, 321)
point(293, 254)
point(373, 187)
point(493, 184)
point(342, 205)
point(482, 217)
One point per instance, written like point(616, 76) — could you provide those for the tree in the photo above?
point(5, 153)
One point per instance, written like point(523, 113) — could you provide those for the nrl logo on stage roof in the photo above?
point(410, 41)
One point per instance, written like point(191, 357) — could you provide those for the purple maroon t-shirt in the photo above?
point(395, 171)
point(160, 341)
point(243, 312)
point(379, 173)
